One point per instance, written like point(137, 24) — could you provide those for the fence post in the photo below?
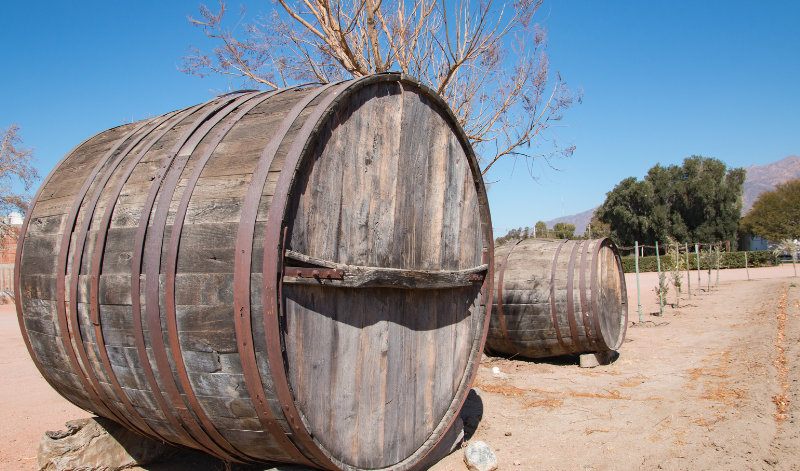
point(688, 271)
point(677, 275)
point(716, 285)
point(660, 290)
point(794, 260)
point(638, 288)
point(697, 255)
point(710, 251)
point(745, 265)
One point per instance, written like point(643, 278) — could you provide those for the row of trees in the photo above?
point(775, 214)
point(699, 201)
point(560, 230)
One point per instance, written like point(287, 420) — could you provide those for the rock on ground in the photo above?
point(97, 444)
point(479, 457)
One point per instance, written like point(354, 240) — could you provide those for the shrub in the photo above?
point(762, 258)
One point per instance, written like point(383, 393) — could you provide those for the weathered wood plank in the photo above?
point(316, 340)
point(373, 277)
point(426, 366)
point(399, 420)
point(372, 384)
point(446, 317)
point(345, 374)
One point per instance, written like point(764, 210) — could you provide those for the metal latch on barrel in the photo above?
point(477, 277)
point(319, 273)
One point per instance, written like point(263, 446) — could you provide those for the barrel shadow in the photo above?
point(561, 360)
point(417, 310)
point(472, 414)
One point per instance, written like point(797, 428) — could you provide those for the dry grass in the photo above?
point(703, 422)
point(508, 391)
point(511, 391)
point(551, 403)
point(590, 431)
point(723, 394)
point(630, 384)
point(781, 400)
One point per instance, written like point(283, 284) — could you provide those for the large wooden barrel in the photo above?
point(557, 297)
point(293, 276)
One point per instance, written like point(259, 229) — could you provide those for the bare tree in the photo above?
point(487, 60)
point(16, 166)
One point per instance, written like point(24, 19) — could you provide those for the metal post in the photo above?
point(697, 254)
point(716, 285)
point(745, 265)
point(677, 275)
point(638, 288)
point(710, 251)
point(660, 290)
point(688, 271)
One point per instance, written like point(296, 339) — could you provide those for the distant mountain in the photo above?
point(580, 220)
point(761, 178)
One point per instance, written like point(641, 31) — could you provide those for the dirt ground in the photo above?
point(712, 384)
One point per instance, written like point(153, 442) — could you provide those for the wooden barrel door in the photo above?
point(373, 356)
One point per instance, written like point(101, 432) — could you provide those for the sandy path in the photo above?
point(696, 392)
point(28, 405)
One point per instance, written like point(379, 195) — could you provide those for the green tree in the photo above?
point(699, 201)
point(564, 231)
point(541, 229)
point(775, 214)
point(596, 228)
point(629, 212)
point(514, 234)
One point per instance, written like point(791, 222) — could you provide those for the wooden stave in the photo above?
point(546, 337)
point(459, 398)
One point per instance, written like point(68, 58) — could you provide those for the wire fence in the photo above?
point(678, 258)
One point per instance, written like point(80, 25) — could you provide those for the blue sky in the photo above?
point(661, 81)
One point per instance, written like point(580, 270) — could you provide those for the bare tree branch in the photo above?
point(486, 59)
point(16, 165)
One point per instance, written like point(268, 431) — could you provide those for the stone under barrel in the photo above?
point(296, 275)
point(557, 297)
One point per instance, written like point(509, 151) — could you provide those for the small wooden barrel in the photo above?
point(294, 275)
point(558, 297)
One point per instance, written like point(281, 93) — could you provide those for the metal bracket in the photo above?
point(477, 277)
point(485, 258)
point(319, 273)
